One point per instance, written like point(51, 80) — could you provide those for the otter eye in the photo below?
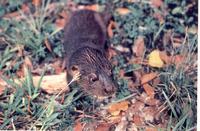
point(93, 77)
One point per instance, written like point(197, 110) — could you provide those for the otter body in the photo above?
point(84, 43)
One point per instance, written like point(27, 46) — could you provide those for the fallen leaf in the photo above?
point(148, 100)
point(148, 77)
point(122, 125)
point(149, 113)
point(137, 106)
point(157, 3)
point(151, 128)
point(103, 127)
point(149, 90)
point(51, 84)
point(137, 120)
point(111, 25)
point(155, 60)
point(123, 11)
point(156, 81)
point(78, 127)
point(164, 57)
point(152, 102)
point(57, 65)
point(48, 45)
point(139, 47)
point(114, 119)
point(36, 2)
point(116, 108)
point(2, 87)
point(28, 62)
point(94, 7)
point(60, 23)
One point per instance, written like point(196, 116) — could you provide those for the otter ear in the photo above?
point(93, 77)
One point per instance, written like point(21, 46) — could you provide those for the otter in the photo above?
point(85, 38)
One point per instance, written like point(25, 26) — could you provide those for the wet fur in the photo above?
point(85, 40)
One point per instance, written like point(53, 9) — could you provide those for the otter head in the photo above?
point(95, 71)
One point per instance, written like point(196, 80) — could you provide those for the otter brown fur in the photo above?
point(84, 43)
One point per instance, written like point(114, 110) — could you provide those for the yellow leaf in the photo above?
point(155, 60)
point(123, 11)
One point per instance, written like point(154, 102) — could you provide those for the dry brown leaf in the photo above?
point(2, 87)
point(149, 113)
point(60, 23)
point(103, 127)
point(123, 11)
point(122, 125)
point(20, 73)
point(114, 119)
point(148, 100)
point(115, 108)
point(156, 81)
point(157, 3)
point(137, 106)
point(78, 127)
point(149, 90)
point(94, 7)
point(137, 120)
point(111, 25)
point(148, 77)
point(36, 2)
point(165, 57)
point(152, 102)
point(51, 84)
point(151, 128)
point(48, 45)
point(28, 62)
point(139, 47)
